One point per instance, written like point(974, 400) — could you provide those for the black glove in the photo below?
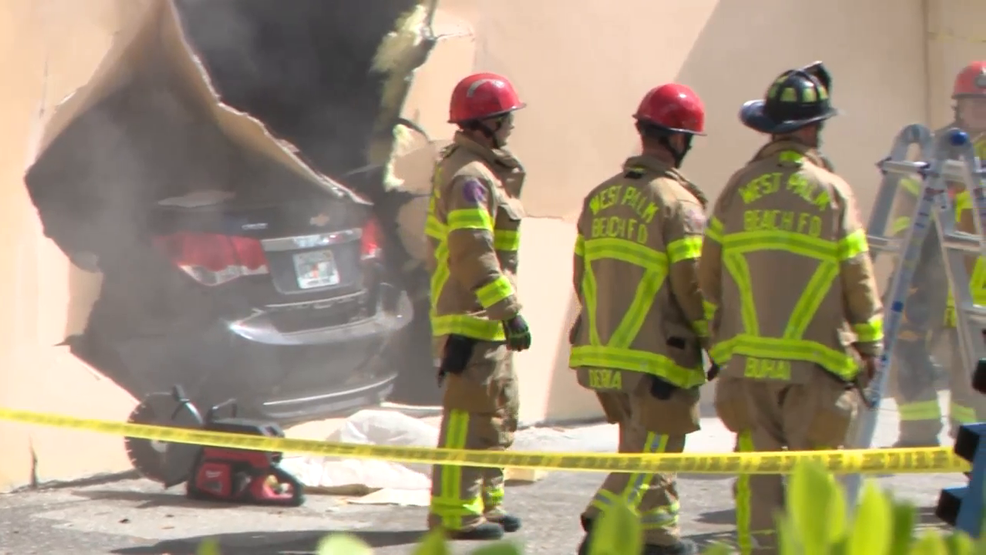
point(661, 389)
point(518, 334)
point(712, 372)
point(455, 357)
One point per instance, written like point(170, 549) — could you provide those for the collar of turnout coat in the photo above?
point(493, 156)
point(774, 147)
point(664, 169)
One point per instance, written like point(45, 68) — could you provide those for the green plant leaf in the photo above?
point(717, 549)
point(930, 543)
point(615, 532)
point(816, 507)
point(959, 543)
point(343, 544)
point(433, 544)
point(208, 547)
point(498, 548)
point(787, 536)
point(904, 517)
point(873, 525)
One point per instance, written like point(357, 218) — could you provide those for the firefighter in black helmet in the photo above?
point(786, 273)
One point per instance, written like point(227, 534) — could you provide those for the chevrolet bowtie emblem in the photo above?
point(319, 220)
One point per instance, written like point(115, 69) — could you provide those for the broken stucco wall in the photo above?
point(582, 71)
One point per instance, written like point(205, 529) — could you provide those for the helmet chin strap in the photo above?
point(677, 155)
point(488, 132)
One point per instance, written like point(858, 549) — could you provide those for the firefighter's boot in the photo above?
point(483, 532)
point(507, 521)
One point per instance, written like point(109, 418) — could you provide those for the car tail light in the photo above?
point(370, 240)
point(213, 259)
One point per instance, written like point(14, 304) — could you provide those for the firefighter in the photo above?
point(473, 238)
point(929, 312)
point(638, 339)
point(797, 317)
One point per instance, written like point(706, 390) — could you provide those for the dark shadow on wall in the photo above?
point(316, 75)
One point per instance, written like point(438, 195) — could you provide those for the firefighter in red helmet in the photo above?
point(638, 339)
point(473, 231)
point(929, 313)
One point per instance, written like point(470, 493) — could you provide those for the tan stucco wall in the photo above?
point(581, 71)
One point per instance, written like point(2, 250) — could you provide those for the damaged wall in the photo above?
point(576, 130)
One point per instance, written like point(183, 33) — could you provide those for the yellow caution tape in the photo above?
point(862, 461)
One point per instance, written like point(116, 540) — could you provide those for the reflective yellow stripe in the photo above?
point(701, 328)
point(617, 354)
point(506, 240)
point(790, 345)
point(494, 291)
point(923, 410)
point(750, 345)
point(962, 414)
point(848, 247)
point(635, 360)
point(744, 444)
point(460, 324)
point(470, 218)
point(579, 245)
point(449, 503)
point(963, 202)
point(869, 332)
point(687, 248)
point(713, 230)
point(900, 224)
point(638, 484)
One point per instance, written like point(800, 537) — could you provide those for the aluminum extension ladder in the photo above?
point(946, 157)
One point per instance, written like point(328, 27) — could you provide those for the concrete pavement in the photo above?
point(135, 517)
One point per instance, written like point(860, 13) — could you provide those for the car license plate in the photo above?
point(316, 269)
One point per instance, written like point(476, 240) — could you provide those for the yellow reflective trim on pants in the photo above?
point(962, 414)
point(900, 224)
point(750, 345)
point(744, 444)
point(598, 356)
point(506, 241)
point(494, 291)
point(637, 486)
point(713, 229)
point(492, 496)
point(922, 410)
point(470, 218)
point(450, 505)
point(688, 248)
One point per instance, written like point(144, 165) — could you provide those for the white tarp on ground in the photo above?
point(379, 481)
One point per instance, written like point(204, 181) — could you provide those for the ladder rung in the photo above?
point(953, 170)
point(960, 240)
point(974, 313)
point(882, 244)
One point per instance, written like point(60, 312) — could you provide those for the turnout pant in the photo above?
point(795, 417)
point(646, 425)
point(480, 412)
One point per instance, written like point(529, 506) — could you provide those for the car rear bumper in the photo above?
point(258, 327)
